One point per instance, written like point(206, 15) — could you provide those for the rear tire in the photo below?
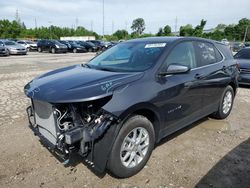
point(226, 104)
point(132, 148)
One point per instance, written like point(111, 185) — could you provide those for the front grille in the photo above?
point(45, 120)
point(245, 70)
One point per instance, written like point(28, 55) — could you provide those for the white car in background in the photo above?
point(29, 45)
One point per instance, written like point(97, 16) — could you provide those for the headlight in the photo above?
point(57, 46)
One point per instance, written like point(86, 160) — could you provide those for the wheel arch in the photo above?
point(147, 110)
point(234, 86)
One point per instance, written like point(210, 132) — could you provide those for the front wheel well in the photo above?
point(152, 117)
point(233, 85)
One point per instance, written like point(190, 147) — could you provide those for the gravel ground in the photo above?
point(209, 153)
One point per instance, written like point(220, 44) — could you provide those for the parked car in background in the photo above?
point(15, 48)
point(98, 43)
point(52, 46)
point(236, 46)
point(243, 59)
point(90, 47)
point(29, 45)
point(115, 109)
point(225, 41)
point(73, 47)
point(3, 50)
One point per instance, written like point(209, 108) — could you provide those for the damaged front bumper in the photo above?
point(92, 139)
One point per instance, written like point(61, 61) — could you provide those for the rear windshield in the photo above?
point(9, 43)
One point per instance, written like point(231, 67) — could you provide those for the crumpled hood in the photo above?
point(77, 84)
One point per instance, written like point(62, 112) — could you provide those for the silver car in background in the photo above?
point(15, 48)
point(3, 50)
point(29, 45)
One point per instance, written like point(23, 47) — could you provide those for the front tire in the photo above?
point(53, 50)
point(132, 148)
point(39, 49)
point(226, 104)
point(74, 50)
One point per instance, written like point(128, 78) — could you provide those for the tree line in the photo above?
point(233, 32)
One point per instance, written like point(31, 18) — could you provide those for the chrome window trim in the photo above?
point(223, 59)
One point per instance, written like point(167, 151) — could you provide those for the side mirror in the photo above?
point(175, 69)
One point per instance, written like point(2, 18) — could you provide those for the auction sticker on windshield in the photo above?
point(155, 45)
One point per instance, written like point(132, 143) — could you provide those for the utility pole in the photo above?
point(103, 19)
point(91, 25)
point(76, 23)
point(50, 22)
point(17, 17)
point(245, 36)
point(176, 23)
point(35, 23)
point(126, 25)
point(113, 25)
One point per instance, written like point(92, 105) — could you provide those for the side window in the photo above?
point(182, 54)
point(207, 54)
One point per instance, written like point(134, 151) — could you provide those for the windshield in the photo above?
point(9, 43)
point(128, 57)
point(30, 42)
point(91, 44)
point(56, 42)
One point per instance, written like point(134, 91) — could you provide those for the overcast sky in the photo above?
point(121, 13)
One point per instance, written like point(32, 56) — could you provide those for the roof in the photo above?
point(155, 39)
point(169, 39)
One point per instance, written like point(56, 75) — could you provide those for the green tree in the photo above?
point(221, 27)
point(160, 32)
point(121, 34)
point(167, 30)
point(198, 30)
point(138, 26)
point(186, 30)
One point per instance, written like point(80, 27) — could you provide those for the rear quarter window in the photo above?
point(207, 54)
point(225, 50)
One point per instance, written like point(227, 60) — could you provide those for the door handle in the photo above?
point(198, 76)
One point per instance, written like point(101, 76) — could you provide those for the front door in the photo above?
point(181, 94)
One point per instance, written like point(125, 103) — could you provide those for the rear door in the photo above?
point(212, 74)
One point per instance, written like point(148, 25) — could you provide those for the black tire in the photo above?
point(8, 53)
point(220, 114)
point(53, 50)
point(39, 49)
point(74, 50)
point(115, 164)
